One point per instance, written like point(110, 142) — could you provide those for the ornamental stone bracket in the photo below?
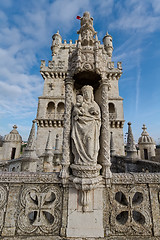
point(85, 179)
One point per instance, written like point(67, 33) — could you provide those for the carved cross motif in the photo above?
point(130, 212)
point(51, 86)
point(40, 208)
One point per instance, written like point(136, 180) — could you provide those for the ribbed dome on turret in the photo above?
point(13, 136)
point(145, 138)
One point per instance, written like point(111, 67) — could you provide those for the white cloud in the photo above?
point(136, 15)
point(25, 34)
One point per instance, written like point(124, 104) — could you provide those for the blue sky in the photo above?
point(26, 36)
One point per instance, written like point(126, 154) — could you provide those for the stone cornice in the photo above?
point(135, 178)
point(10, 177)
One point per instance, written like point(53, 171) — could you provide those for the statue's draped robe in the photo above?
point(85, 135)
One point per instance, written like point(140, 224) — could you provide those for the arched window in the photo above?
point(50, 107)
point(111, 108)
point(145, 154)
point(60, 108)
point(112, 111)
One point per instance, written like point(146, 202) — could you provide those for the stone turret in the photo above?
point(108, 46)
point(12, 145)
point(57, 40)
point(146, 145)
point(131, 148)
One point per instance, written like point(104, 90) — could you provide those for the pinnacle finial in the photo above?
point(49, 142)
point(31, 138)
point(144, 127)
point(130, 139)
point(130, 148)
point(30, 150)
point(14, 126)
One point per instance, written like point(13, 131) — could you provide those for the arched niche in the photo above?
point(112, 111)
point(60, 108)
point(86, 78)
point(111, 108)
point(50, 107)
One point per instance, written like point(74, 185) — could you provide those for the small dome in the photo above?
point(145, 138)
point(13, 136)
point(57, 36)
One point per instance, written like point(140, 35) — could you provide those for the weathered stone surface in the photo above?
point(90, 222)
point(124, 209)
point(66, 190)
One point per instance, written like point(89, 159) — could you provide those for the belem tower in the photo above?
point(75, 180)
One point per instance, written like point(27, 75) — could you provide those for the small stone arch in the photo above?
point(112, 111)
point(51, 107)
point(60, 108)
point(111, 107)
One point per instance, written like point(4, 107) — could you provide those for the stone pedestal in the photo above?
point(90, 222)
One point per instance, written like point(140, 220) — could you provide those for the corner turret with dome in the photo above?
point(146, 145)
point(12, 145)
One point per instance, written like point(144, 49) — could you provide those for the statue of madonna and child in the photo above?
point(86, 122)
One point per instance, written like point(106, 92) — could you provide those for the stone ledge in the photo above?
point(117, 178)
point(66, 238)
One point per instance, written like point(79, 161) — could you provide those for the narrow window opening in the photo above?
point(146, 154)
point(111, 108)
point(13, 153)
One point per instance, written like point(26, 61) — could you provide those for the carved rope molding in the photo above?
point(67, 127)
point(117, 178)
point(105, 143)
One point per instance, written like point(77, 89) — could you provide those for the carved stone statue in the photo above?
point(86, 122)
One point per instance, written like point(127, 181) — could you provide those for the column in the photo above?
point(9, 228)
point(67, 128)
point(105, 135)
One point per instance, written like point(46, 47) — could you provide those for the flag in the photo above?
point(78, 17)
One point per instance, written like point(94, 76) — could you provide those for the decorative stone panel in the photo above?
point(3, 201)
point(40, 210)
point(155, 204)
point(130, 210)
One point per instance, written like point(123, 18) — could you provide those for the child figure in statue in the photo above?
point(78, 110)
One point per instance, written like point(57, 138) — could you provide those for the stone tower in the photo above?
point(73, 65)
point(65, 189)
point(50, 111)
